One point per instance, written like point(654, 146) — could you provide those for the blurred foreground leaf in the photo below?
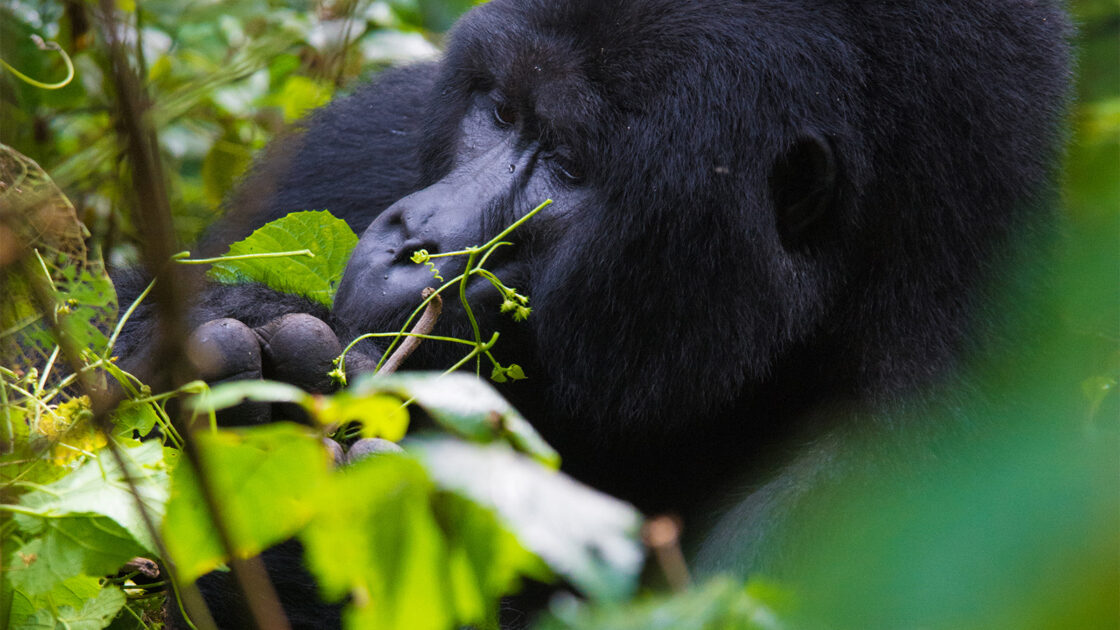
point(719, 604)
point(77, 529)
point(269, 480)
point(586, 536)
point(465, 406)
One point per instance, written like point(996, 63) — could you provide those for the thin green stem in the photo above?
point(516, 224)
point(473, 353)
point(7, 429)
point(182, 259)
point(39, 84)
point(472, 267)
point(47, 273)
point(486, 256)
point(408, 322)
point(47, 370)
point(124, 318)
point(467, 307)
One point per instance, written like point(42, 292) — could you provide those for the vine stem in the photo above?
point(44, 45)
point(182, 259)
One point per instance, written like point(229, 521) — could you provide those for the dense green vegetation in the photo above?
point(421, 541)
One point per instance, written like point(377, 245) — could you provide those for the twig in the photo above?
point(153, 218)
point(423, 327)
point(662, 534)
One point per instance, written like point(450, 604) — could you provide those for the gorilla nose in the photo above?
point(411, 246)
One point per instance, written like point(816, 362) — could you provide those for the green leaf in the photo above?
point(98, 488)
point(234, 393)
point(300, 94)
point(68, 547)
point(73, 592)
point(720, 604)
point(586, 536)
point(315, 277)
point(95, 614)
point(269, 480)
point(466, 406)
point(131, 418)
point(389, 539)
point(224, 164)
point(382, 416)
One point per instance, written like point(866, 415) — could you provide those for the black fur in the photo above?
point(790, 216)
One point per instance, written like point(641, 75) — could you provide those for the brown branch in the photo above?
point(423, 327)
point(152, 215)
point(662, 534)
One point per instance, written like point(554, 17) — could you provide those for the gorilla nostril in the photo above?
point(410, 247)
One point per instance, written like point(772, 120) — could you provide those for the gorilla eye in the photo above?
point(504, 114)
point(568, 170)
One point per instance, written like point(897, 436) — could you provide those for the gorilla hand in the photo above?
point(296, 348)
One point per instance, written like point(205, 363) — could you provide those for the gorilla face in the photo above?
point(499, 166)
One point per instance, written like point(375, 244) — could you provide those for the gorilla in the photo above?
point(775, 224)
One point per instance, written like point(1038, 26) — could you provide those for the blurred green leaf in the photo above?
point(269, 480)
point(382, 416)
point(719, 604)
point(226, 395)
point(389, 540)
point(586, 536)
point(94, 614)
point(466, 406)
point(73, 592)
point(71, 546)
point(226, 161)
point(298, 95)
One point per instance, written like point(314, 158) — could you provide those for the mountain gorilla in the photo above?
point(773, 221)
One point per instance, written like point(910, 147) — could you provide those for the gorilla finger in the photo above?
point(338, 456)
point(224, 350)
point(370, 447)
point(298, 348)
point(359, 363)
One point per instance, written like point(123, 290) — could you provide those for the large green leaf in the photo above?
point(268, 480)
point(408, 555)
point(588, 537)
point(95, 613)
point(67, 547)
point(720, 604)
point(466, 406)
point(314, 277)
point(72, 592)
point(99, 488)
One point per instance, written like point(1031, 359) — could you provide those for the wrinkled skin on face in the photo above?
point(496, 166)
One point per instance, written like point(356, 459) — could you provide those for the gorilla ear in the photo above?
point(803, 187)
